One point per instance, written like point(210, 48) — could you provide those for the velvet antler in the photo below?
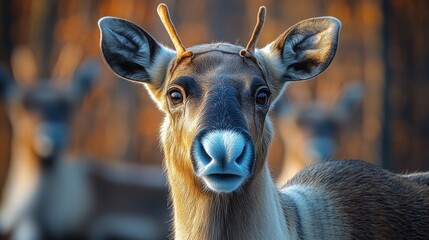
point(249, 51)
point(168, 24)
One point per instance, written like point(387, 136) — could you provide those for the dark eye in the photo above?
point(175, 96)
point(262, 97)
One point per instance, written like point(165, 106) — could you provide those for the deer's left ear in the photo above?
point(302, 52)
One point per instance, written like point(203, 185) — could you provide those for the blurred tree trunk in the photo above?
point(5, 51)
point(5, 144)
point(406, 106)
point(5, 41)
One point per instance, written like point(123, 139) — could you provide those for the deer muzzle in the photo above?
point(51, 139)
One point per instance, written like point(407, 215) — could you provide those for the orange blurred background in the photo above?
point(383, 44)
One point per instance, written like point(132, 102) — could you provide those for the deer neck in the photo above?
point(23, 157)
point(254, 212)
point(22, 182)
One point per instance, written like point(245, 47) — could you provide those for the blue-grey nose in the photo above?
point(51, 138)
point(321, 148)
point(223, 159)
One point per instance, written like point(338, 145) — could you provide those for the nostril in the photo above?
point(205, 156)
point(239, 160)
point(201, 154)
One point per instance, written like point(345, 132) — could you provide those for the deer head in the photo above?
point(216, 96)
point(310, 129)
point(40, 110)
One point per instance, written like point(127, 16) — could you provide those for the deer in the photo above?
point(216, 133)
point(309, 129)
point(51, 195)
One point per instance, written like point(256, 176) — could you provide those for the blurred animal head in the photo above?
point(310, 129)
point(40, 110)
point(216, 96)
point(315, 125)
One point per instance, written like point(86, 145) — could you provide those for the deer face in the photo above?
point(221, 110)
point(216, 98)
point(41, 114)
point(41, 111)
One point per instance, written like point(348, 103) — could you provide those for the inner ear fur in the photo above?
point(132, 53)
point(301, 52)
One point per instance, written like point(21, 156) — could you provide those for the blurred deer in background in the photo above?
point(49, 195)
point(216, 134)
point(310, 130)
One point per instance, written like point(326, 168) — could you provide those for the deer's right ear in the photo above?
point(132, 53)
